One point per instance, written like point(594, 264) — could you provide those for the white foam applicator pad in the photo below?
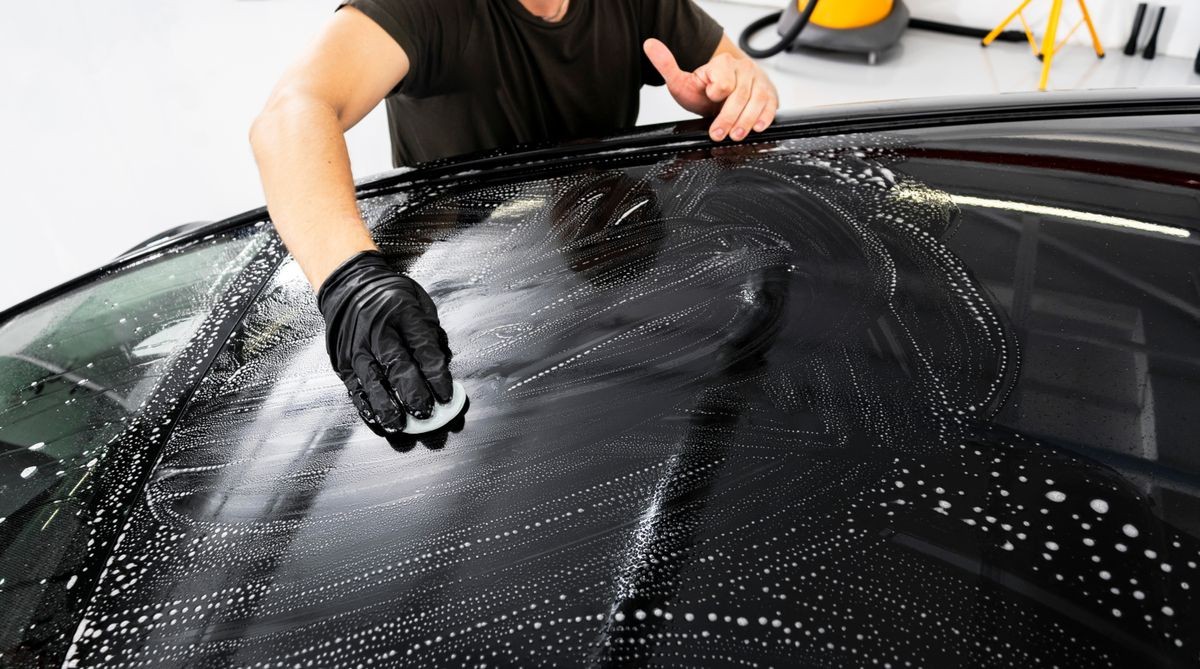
point(441, 414)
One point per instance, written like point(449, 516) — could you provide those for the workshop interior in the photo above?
point(600, 333)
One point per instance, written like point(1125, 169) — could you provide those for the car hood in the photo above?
point(910, 386)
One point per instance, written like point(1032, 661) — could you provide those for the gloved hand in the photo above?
point(384, 341)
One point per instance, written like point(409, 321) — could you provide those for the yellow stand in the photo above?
point(1049, 47)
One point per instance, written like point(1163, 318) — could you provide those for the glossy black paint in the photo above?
point(824, 401)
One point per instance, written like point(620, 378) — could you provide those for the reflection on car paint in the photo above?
point(727, 409)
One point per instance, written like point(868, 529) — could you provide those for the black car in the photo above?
point(905, 385)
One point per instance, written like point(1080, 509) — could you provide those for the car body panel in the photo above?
point(921, 395)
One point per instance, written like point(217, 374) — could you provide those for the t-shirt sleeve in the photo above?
point(418, 26)
point(687, 30)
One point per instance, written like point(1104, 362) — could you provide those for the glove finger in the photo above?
point(365, 412)
point(444, 344)
point(424, 300)
point(435, 366)
point(426, 342)
point(405, 377)
point(359, 399)
point(379, 394)
point(430, 309)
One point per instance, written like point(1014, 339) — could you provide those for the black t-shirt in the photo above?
point(487, 73)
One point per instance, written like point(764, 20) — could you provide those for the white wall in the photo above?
point(1180, 35)
point(123, 118)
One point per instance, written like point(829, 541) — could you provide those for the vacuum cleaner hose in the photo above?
point(771, 19)
point(964, 31)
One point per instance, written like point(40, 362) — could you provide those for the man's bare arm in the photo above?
point(299, 139)
point(382, 332)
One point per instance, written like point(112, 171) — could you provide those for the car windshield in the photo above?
point(74, 373)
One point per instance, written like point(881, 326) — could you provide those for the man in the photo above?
point(461, 76)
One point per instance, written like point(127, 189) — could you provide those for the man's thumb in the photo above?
point(661, 58)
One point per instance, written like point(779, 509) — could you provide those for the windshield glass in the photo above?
point(74, 372)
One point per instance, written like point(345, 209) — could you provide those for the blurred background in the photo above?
point(127, 117)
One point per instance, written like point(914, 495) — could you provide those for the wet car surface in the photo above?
point(915, 387)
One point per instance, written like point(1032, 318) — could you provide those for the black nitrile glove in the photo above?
point(385, 341)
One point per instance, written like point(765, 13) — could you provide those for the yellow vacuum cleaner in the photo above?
point(852, 26)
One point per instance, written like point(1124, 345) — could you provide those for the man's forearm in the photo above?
point(299, 144)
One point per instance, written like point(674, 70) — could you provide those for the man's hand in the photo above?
point(730, 87)
point(385, 342)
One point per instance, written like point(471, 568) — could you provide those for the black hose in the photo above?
point(771, 19)
point(964, 31)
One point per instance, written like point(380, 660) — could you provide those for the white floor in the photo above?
point(127, 117)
